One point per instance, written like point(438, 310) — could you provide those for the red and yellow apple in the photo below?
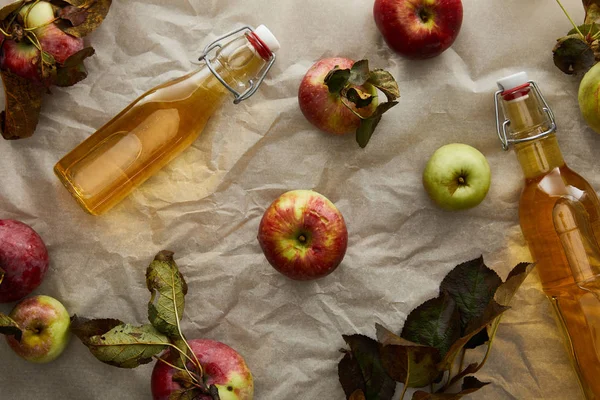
point(325, 110)
point(45, 324)
point(303, 235)
point(23, 260)
point(418, 29)
point(223, 367)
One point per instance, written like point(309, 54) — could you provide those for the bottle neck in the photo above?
point(528, 119)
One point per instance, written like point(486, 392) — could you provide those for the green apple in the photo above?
point(589, 96)
point(45, 324)
point(457, 177)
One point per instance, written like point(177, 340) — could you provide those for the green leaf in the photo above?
point(23, 104)
point(73, 70)
point(123, 345)
point(358, 97)
point(337, 79)
point(402, 358)
point(367, 126)
point(359, 73)
point(435, 323)
point(471, 285)
point(586, 29)
point(168, 288)
point(9, 327)
point(361, 369)
point(491, 313)
point(96, 11)
point(470, 385)
point(573, 55)
point(385, 82)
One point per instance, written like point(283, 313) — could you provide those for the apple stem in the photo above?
point(570, 19)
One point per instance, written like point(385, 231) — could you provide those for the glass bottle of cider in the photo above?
point(164, 121)
point(559, 214)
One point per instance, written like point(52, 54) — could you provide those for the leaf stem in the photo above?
point(462, 359)
point(196, 362)
point(405, 384)
point(41, 26)
point(570, 19)
point(28, 11)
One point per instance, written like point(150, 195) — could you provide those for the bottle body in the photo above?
point(152, 130)
point(576, 302)
point(559, 214)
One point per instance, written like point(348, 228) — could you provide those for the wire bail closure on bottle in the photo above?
point(254, 85)
point(501, 127)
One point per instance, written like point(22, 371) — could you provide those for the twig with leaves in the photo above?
point(464, 316)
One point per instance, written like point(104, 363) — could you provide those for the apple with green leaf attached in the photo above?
point(339, 96)
point(222, 366)
point(303, 235)
point(457, 176)
point(44, 329)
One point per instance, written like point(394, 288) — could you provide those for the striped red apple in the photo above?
point(303, 235)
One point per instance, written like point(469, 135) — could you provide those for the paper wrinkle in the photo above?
point(207, 204)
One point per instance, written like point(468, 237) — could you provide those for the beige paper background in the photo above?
point(207, 204)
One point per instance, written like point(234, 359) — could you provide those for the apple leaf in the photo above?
point(85, 328)
point(9, 9)
point(357, 395)
point(586, 30)
point(9, 327)
point(435, 323)
point(361, 369)
point(385, 82)
point(337, 79)
point(23, 105)
point(592, 11)
point(75, 15)
point(573, 55)
point(367, 126)
point(472, 285)
point(168, 288)
point(73, 70)
point(185, 394)
point(515, 278)
point(490, 314)
point(359, 73)
point(95, 13)
point(358, 97)
point(399, 357)
point(470, 385)
point(127, 346)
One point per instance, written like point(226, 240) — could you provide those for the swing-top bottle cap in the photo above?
point(267, 37)
point(513, 81)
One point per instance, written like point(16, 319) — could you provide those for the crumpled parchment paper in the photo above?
point(206, 205)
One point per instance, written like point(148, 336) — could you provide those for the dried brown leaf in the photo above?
point(23, 105)
point(96, 13)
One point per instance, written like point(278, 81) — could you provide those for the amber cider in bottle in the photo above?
point(160, 124)
point(559, 214)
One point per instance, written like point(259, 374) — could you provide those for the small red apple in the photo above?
point(418, 29)
point(223, 367)
point(45, 324)
point(23, 258)
point(303, 235)
point(22, 59)
point(325, 110)
point(58, 43)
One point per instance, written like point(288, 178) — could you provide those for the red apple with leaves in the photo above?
point(303, 235)
point(418, 29)
point(222, 366)
point(339, 96)
point(23, 260)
